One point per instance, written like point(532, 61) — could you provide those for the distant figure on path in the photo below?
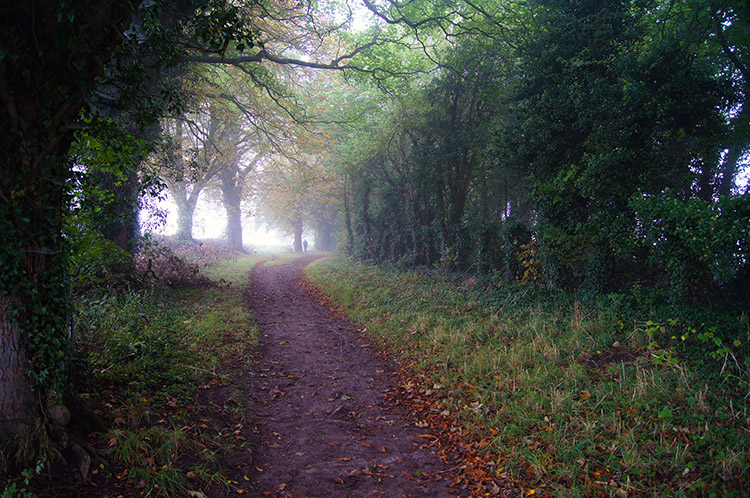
point(304, 245)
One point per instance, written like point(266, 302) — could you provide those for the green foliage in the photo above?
point(12, 489)
point(218, 23)
point(148, 340)
point(413, 182)
point(45, 304)
point(605, 115)
point(701, 246)
point(100, 264)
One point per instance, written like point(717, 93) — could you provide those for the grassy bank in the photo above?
point(561, 400)
point(158, 368)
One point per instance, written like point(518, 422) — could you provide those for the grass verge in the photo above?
point(159, 366)
point(558, 400)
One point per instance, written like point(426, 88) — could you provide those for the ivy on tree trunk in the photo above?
point(41, 94)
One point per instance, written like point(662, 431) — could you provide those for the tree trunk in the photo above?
point(16, 399)
point(185, 214)
point(41, 96)
point(736, 150)
point(297, 236)
point(185, 203)
point(34, 291)
point(234, 226)
point(232, 196)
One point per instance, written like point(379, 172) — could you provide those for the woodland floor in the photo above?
point(322, 413)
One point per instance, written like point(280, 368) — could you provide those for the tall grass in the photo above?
point(574, 401)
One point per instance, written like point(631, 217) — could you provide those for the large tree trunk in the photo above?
point(16, 399)
point(232, 196)
point(297, 227)
point(234, 226)
point(185, 214)
point(34, 286)
point(53, 53)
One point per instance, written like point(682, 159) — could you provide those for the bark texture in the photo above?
point(15, 394)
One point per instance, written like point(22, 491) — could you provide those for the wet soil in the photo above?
point(326, 425)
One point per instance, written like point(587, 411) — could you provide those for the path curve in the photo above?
point(326, 428)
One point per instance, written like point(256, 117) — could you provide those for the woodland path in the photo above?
point(327, 427)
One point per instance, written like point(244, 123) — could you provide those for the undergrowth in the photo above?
point(568, 400)
point(143, 360)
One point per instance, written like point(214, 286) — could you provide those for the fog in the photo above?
point(209, 222)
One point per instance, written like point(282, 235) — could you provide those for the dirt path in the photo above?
point(326, 427)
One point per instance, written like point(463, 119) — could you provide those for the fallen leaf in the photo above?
point(195, 494)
